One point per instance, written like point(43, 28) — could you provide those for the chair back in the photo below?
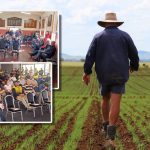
point(45, 96)
point(30, 97)
point(9, 101)
point(16, 45)
point(2, 44)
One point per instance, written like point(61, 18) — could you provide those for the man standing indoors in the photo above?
point(114, 55)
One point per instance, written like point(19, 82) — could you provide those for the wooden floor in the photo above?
point(23, 55)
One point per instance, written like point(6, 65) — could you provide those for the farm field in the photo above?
point(78, 120)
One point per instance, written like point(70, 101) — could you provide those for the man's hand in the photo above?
point(86, 79)
point(131, 70)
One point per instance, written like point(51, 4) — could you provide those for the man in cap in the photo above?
point(114, 55)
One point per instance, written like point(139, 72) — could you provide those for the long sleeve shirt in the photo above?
point(113, 52)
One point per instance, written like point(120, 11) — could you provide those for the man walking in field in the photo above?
point(114, 55)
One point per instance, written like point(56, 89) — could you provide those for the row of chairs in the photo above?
point(11, 51)
point(11, 108)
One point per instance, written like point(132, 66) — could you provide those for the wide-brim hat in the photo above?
point(110, 18)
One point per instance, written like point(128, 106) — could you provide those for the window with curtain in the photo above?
point(14, 21)
point(45, 67)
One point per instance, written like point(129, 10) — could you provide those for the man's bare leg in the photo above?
point(113, 117)
point(105, 105)
point(114, 108)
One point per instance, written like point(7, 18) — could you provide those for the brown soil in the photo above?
point(3, 138)
point(61, 141)
point(30, 132)
point(142, 138)
point(139, 133)
point(125, 136)
point(51, 136)
point(92, 137)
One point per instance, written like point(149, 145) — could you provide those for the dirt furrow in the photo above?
point(92, 137)
point(51, 136)
point(29, 132)
point(61, 141)
point(126, 136)
point(138, 132)
point(3, 138)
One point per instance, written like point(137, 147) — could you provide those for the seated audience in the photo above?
point(10, 81)
point(13, 78)
point(8, 88)
point(45, 87)
point(48, 52)
point(22, 80)
point(27, 83)
point(47, 36)
point(41, 72)
point(19, 95)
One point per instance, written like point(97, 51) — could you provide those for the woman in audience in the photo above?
point(10, 81)
point(22, 80)
point(18, 94)
point(8, 87)
point(13, 78)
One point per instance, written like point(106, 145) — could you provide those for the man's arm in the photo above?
point(133, 55)
point(89, 61)
point(90, 58)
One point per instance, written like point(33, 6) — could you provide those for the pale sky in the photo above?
point(79, 19)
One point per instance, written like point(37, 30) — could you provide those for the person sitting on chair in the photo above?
point(22, 80)
point(48, 53)
point(45, 88)
point(37, 53)
point(46, 50)
point(16, 44)
point(47, 36)
point(8, 87)
point(19, 95)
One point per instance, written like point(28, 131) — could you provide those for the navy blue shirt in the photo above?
point(113, 52)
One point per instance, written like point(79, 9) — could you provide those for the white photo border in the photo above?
point(51, 83)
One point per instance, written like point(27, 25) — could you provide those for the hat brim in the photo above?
point(107, 22)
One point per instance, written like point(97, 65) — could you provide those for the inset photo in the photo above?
point(26, 92)
point(30, 36)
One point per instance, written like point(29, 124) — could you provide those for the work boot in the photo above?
point(111, 133)
point(104, 127)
